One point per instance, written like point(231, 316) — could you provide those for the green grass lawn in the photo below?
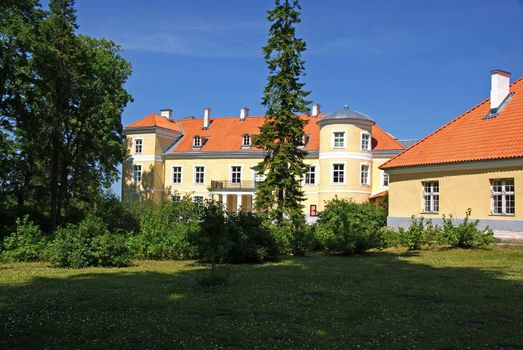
point(429, 299)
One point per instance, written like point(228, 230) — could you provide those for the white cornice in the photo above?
point(473, 165)
point(345, 155)
point(137, 158)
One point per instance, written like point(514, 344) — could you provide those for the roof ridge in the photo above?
point(415, 145)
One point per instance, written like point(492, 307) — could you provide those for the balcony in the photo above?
point(224, 185)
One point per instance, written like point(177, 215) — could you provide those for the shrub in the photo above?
point(89, 243)
point(115, 214)
point(350, 228)
point(211, 241)
point(421, 232)
point(293, 236)
point(250, 240)
point(164, 230)
point(27, 243)
point(466, 234)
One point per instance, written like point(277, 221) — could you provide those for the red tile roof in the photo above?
point(157, 121)
point(225, 134)
point(471, 137)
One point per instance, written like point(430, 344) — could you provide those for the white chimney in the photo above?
point(244, 113)
point(206, 117)
point(166, 113)
point(315, 110)
point(500, 87)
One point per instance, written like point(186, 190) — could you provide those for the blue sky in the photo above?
point(411, 65)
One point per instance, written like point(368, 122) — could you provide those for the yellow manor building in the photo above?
point(475, 161)
point(213, 158)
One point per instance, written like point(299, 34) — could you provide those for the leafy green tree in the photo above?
point(280, 194)
point(62, 96)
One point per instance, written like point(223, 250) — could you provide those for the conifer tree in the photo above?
point(280, 194)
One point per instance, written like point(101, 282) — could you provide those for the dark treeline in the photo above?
point(61, 99)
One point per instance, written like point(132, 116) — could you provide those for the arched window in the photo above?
point(197, 141)
point(246, 140)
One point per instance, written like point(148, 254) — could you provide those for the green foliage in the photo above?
point(420, 232)
point(61, 99)
point(251, 241)
point(294, 236)
point(351, 228)
point(114, 213)
point(89, 243)
point(27, 243)
point(211, 241)
point(164, 230)
point(466, 234)
point(280, 193)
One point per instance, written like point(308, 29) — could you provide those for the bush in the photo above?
point(351, 228)
point(211, 241)
point(27, 243)
point(293, 236)
point(164, 230)
point(250, 240)
point(90, 243)
point(115, 214)
point(420, 232)
point(466, 234)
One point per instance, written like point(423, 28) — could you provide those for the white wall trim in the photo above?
point(138, 158)
point(346, 155)
point(343, 191)
point(472, 165)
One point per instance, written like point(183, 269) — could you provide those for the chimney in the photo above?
point(166, 113)
point(206, 118)
point(315, 110)
point(500, 87)
point(244, 113)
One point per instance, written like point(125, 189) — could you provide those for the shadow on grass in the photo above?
point(379, 300)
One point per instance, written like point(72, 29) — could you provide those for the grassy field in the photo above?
point(430, 299)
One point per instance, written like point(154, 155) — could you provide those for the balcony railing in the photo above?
point(230, 185)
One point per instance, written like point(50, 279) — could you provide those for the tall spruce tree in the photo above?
point(280, 194)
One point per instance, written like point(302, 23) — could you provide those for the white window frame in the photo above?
point(365, 133)
point(504, 193)
point(141, 145)
point(172, 174)
point(194, 144)
point(198, 196)
point(384, 176)
point(366, 183)
point(246, 137)
point(231, 177)
point(344, 143)
point(306, 181)
point(194, 175)
point(258, 177)
point(432, 195)
point(344, 173)
point(133, 173)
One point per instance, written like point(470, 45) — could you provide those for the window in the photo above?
point(197, 199)
point(338, 173)
point(246, 141)
point(236, 174)
point(431, 197)
point(339, 139)
point(138, 145)
point(365, 141)
point(303, 140)
point(503, 198)
point(199, 174)
point(197, 142)
point(177, 174)
point(313, 211)
point(310, 175)
point(364, 174)
point(385, 179)
point(259, 177)
point(137, 174)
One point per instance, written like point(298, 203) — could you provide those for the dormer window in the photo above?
point(303, 140)
point(197, 142)
point(246, 141)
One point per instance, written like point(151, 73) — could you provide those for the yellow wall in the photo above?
point(377, 175)
point(458, 191)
